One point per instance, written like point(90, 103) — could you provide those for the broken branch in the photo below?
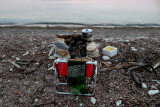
point(128, 64)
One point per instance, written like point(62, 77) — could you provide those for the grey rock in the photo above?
point(93, 100)
point(105, 58)
point(153, 92)
point(11, 69)
point(144, 85)
point(81, 104)
point(61, 45)
point(119, 102)
point(109, 63)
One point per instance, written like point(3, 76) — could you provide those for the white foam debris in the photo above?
point(144, 85)
point(153, 92)
point(119, 102)
point(93, 100)
point(27, 52)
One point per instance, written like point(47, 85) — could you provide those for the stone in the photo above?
point(51, 51)
point(153, 92)
point(57, 56)
point(105, 58)
point(76, 99)
point(93, 100)
point(17, 58)
point(26, 82)
point(51, 68)
point(37, 63)
point(91, 47)
point(119, 102)
point(75, 31)
point(61, 40)
point(62, 52)
point(4, 61)
point(51, 57)
point(81, 104)
point(11, 69)
point(153, 87)
point(94, 54)
point(61, 45)
point(109, 63)
point(27, 52)
point(36, 100)
point(16, 65)
point(67, 57)
point(144, 85)
point(64, 36)
point(133, 49)
point(68, 31)
point(4, 56)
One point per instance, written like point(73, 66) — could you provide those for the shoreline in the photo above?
point(79, 26)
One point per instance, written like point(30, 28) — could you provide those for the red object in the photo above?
point(89, 70)
point(63, 69)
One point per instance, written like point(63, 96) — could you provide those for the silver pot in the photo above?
point(86, 33)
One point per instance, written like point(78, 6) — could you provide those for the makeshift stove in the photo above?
point(71, 67)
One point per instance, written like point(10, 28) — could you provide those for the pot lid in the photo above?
point(87, 30)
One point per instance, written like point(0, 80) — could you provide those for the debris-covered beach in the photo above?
point(128, 79)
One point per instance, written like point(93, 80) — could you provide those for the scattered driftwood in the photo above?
point(127, 64)
point(89, 58)
point(133, 75)
point(106, 64)
point(16, 65)
point(23, 62)
point(156, 65)
point(35, 69)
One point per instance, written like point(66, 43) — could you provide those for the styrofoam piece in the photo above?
point(109, 51)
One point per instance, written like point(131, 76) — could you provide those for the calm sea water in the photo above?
point(103, 12)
